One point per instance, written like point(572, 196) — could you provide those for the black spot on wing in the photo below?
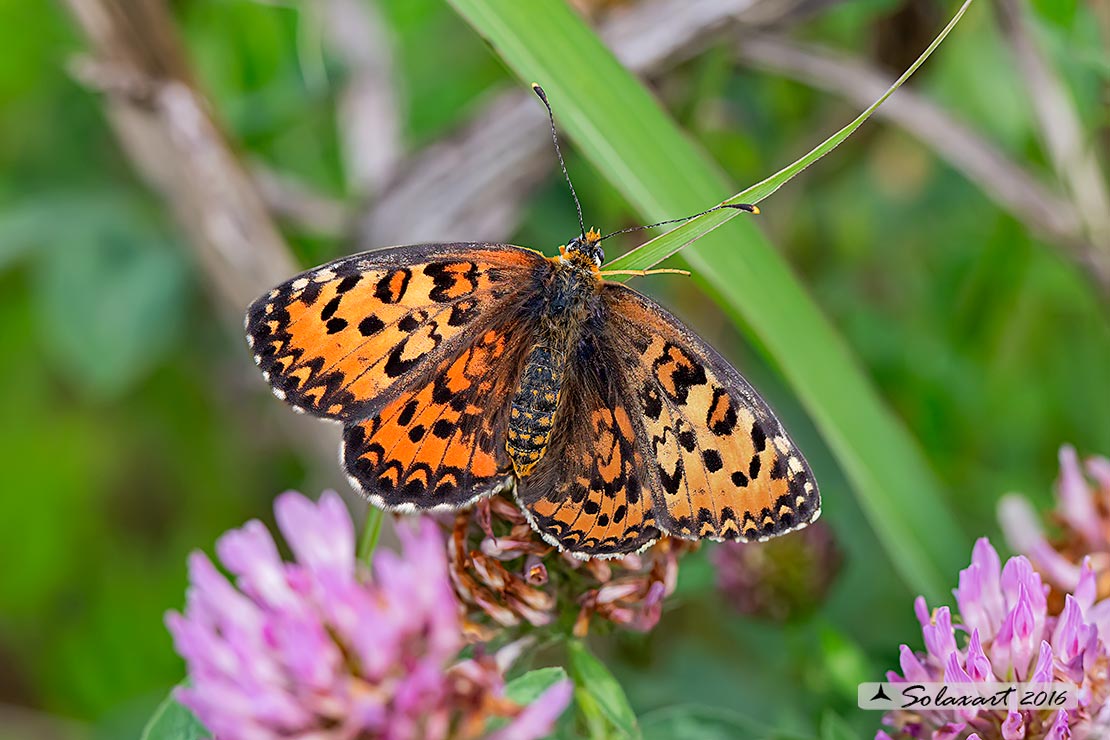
point(451, 282)
point(687, 439)
point(330, 309)
point(779, 467)
point(348, 282)
point(370, 326)
point(407, 413)
point(396, 365)
point(391, 288)
point(721, 417)
point(712, 460)
point(463, 312)
point(653, 404)
point(672, 482)
point(759, 437)
point(685, 372)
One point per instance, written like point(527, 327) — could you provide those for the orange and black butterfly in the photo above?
point(463, 370)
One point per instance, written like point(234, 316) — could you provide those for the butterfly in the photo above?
point(463, 370)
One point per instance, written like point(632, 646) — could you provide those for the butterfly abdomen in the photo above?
point(532, 413)
point(567, 297)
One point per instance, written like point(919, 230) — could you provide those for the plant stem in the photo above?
point(371, 529)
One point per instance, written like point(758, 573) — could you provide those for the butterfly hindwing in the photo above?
point(717, 458)
point(340, 340)
point(441, 444)
point(588, 494)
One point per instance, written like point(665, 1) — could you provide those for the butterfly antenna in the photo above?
point(555, 138)
point(747, 207)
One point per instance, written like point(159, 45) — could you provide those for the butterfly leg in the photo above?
point(642, 273)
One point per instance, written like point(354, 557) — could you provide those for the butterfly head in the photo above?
point(587, 248)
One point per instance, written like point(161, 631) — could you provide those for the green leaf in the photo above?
point(693, 722)
point(623, 131)
point(600, 698)
point(527, 688)
point(110, 303)
point(21, 230)
point(172, 721)
point(53, 219)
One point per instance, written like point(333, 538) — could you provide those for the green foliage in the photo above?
point(1060, 12)
point(693, 722)
point(368, 537)
point(527, 688)
point(835, 728)
point(172, 721)
point(600, 699)
point(127, 290)
point(109, 288)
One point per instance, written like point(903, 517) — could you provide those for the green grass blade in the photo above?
point(658, 249)
point(624, 132)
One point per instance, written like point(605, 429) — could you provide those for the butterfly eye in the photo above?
point(590, 248)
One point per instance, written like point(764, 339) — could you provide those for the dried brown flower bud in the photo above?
point(508, 576)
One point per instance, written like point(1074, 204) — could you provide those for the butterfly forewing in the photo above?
point(718, 460)
point(341, 340)
point(415, 349)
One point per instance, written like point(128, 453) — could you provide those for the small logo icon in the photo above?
point(880, 694)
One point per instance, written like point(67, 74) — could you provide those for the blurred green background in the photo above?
point(133, 428)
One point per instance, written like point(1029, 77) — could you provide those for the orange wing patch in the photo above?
point(442, 444)
point(334, 340)
point(721, 464)
point(587, 495)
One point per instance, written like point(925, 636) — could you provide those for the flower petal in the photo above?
point(321, 534)
point(1023, 533)
point(251, 554)
point(1076, 503)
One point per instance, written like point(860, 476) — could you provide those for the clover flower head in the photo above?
point(320, 647)
point(1002, 631)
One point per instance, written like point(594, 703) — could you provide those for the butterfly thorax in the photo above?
point(570, 295)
